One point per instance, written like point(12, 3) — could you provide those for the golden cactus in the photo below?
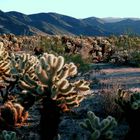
point(53, 78)
point(12, 114)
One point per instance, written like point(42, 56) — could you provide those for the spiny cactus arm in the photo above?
point(5, 68)
point(22, 64)
point(8, 110)
point(62, 87)
point(44, 63)
point(27, 87)
point(52, 65)
point(120, 100)
point(95, 121)
point(81, 85)
point(63, 74)
point(3, 53)
point(109, 135)
point(95, 135)
point(31, 86)
point(66, 102)
point(8, 79)
point(19, 109)
point(87, 125)
point(66, 90)
point(41, 74)
point(59, 63)
point(135, 101)
point(73, 101)
point(108, 124)
point(72, 69)
point(54, 62)
point(22, 115)
point(14, 69)
point(92, 122)
point(4, 65)
point(30, 81)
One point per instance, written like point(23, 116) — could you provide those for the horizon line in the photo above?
point(113, 17)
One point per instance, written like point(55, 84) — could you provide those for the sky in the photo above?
point(75, 8)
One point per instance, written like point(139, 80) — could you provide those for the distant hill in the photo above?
point(53, 23)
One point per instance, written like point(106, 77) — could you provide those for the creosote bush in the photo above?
point(83, 65)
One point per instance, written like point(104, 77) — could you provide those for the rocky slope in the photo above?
point(53, 23)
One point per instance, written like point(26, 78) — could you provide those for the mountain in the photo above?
point(112, 19)
point(53, 23)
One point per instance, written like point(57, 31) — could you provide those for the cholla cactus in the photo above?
point(53, 81)
point(23, 63)
point(6, 79)
point(12, 114)
point(4, 62)
point(99, 129)
point(3, 53)
point(8, 135)
point(128, 100)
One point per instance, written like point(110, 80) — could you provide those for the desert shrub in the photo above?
point(134, 58)
point(108, 96)
point(83, 65)
point(127, 50)
point(51, 45)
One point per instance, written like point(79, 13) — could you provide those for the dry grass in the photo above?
point(109, 94)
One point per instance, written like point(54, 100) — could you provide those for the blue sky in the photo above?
point(75, 8)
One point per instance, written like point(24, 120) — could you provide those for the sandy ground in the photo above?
point(118, 76)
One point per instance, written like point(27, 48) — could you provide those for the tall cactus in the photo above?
point(53, 81)
point(57, 90)
point(99, 129)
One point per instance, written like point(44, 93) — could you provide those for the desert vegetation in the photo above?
point(63, 87)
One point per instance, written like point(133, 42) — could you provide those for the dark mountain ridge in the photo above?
point(53, 23)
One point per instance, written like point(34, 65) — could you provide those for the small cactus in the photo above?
point(130, 105)
point(128, 100)
point(99, 129)
point(12, 114)
point(22, 64)
point(9, 135)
